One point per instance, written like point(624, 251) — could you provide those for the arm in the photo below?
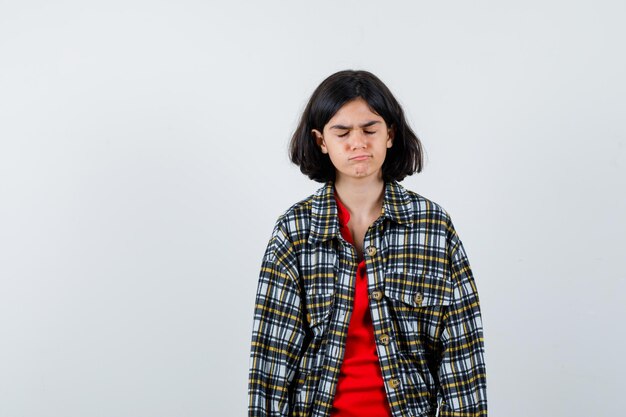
point(277, 332)
point(462, 373)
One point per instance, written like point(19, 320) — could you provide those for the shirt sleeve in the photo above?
point(462, 375)
point(277, 331)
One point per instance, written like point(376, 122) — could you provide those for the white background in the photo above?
point(143, 163)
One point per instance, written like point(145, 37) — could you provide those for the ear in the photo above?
point(391, 134)
point(319, 139)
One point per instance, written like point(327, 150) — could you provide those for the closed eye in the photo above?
point(367, 132)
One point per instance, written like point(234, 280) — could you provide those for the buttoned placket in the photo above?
point(385, 343)
point(343, 307)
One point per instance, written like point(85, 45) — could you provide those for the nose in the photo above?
point(359, 140)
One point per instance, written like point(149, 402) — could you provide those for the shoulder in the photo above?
point(294, 223)
point(428, 214)
point(422, 208)
point(298, 214)
point(425, 205)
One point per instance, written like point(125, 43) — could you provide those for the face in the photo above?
point(356, 140)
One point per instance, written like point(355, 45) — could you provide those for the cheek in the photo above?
point(339, 148)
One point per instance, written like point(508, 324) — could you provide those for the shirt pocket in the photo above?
point(318, 309)
point(418, 302)
point(318, 312)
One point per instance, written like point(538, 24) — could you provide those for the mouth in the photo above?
point(359, 157)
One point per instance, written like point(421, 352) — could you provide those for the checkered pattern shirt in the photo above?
point(423, 302)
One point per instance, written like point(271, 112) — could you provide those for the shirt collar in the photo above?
point(324, 215)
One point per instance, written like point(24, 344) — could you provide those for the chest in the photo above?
point(388, 248)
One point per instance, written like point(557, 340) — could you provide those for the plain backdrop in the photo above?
point(143, 163)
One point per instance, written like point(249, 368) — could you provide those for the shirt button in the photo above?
point(419, 297)
point(384, 339)
point(377, 295)
point(371, 250)
point(395, 383)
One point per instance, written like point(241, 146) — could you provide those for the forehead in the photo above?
point(354, 111)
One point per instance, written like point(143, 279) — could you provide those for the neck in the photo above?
point(363, 197)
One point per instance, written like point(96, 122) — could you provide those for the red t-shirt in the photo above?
point(360, 389)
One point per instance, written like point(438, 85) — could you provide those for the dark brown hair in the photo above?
point(404, 158)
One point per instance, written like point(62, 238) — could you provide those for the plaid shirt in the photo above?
point(423, 301)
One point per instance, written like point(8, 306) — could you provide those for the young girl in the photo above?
point(366, 304)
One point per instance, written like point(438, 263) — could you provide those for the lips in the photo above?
point(359, 157)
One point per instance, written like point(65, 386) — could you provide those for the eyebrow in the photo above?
point(367, 124)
